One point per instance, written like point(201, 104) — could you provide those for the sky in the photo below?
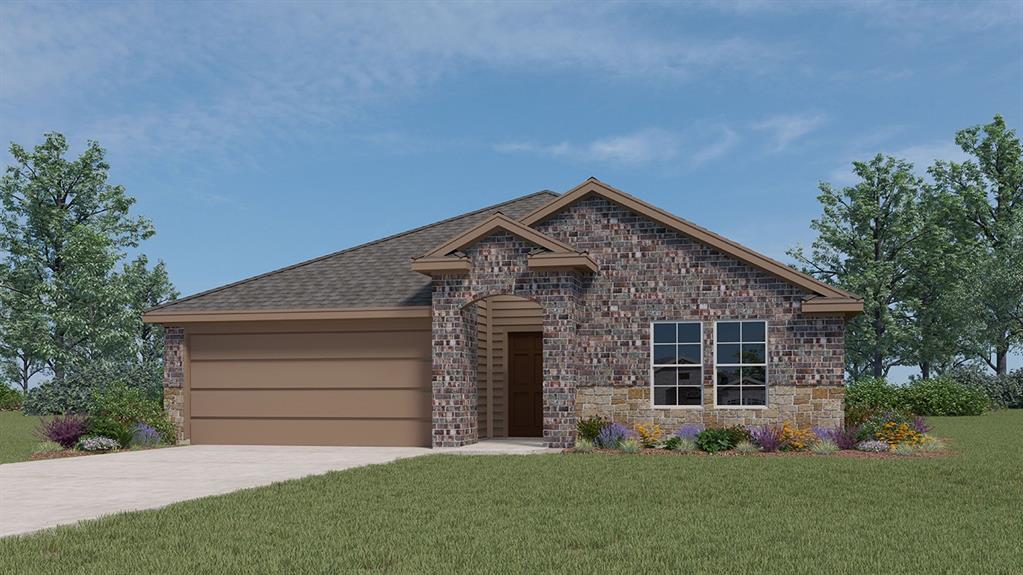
point(256, 135)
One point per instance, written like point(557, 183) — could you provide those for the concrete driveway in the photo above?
point(39, 494)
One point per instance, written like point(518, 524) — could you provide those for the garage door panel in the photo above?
point(326, 373)
point(369, 432)
point(264, 346)
point(309, 403)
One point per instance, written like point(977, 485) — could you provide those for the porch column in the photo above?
point(559, 367)
point(454, 374)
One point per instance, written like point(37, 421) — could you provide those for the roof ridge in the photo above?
point(351, 249)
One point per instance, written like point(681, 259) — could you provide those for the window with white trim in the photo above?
point(740, 363)
point(676, 355)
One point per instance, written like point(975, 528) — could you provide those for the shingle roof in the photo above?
point(376, 274)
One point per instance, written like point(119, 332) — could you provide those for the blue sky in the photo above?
point(258, 135)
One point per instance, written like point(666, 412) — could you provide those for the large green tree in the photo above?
point(864, 243)
point(987, 191)
point(64, 230)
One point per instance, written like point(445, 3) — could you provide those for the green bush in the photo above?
point(943, 396)
point(11, 399)
point(583, 445)
point(48, 398)
point(128, 406)
point(682, 444)
point(112, 429)
point(1004, 391)
point(630, 445)
point(867, 396)
point(714, 439)
point(589, 428)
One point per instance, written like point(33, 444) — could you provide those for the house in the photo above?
point(513, 320)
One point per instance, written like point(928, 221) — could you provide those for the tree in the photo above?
point(864, 243)
point(988, 194)
point(63, 231)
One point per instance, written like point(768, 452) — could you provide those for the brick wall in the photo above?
point(174, 378)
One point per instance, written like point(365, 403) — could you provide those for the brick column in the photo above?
point(174, 378)
point(454, 374)
point(560, 365)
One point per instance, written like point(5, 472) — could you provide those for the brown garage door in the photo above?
point(354, 384)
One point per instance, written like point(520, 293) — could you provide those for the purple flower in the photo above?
point(63, 429)
point(766, 437)
point(920, 425)
point(612, 435)
point(146, 435)
point(689, 431)
point(845, 437)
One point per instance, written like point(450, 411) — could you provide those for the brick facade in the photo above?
point(597, 326)
point(174, 378)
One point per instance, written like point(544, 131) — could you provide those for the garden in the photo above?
point(881, 420)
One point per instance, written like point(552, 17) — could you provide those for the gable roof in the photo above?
point(498, 222)
point(703, 235)
point(371, 275)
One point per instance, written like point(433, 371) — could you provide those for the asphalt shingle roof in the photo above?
point(376, 274)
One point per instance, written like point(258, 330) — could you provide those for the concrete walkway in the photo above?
point(36, 495)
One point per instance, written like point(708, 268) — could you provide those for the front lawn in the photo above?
point(17, 436)
point(589, 513)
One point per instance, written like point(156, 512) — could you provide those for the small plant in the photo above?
point(845, 436)
point(689, 431)
point(111, 428)
point(767, 437)
point(589, 428)
point(11, 399)
point(824, 447)
point(611, 435)
point(739, 434)
point(63, 429)
point(145, 436)
point(649, 435)
point(47, 447)
point(630, 445)
point(920, 425)
point(715, 439)
point(894, 434)
point(931, 444)
point(97, 444)
point(872, 446)
point(583, 445)
point(904, 449)
point(795, 438)
point(680, 444)
point(746, 447)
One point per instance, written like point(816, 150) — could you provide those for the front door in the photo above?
point(525, 384)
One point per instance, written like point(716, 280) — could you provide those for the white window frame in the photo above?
point(699, 365)
point(766, 365)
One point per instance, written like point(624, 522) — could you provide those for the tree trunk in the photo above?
point(925, 370)
point(1002, 360)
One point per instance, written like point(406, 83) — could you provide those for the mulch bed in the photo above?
point(843, 453)
point(77, 453)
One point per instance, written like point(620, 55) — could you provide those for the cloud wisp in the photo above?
point(787, 129)
point(639, 148)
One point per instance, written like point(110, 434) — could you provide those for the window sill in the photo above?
point(740, 407)
point(677, 407)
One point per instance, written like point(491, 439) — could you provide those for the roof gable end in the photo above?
point(499, 222)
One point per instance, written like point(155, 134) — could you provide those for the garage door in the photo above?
point(354, 385)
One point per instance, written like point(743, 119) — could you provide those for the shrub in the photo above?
point(47, 447)
point(1003, 391)
point(746, 447)
point(943, 396)
point(590, 427)
point(920, 425)
point(867, 396)
point(931, 443)
point(128, 406)
point(48, 398)
point(898, 434)
point(630, 445)
point(795, 438)
point(583, 445)
point(97, 444)
point(612, 435)
point(739, 434)
point(649, 435)
point(872, 426)
point(63, 429)
point(767, 437)
point(872, 446)
point(112, 429)
point(146, 436)
point(689, 431)
point(904, 449)
point(824, 447)
point(715, 439)
point(680, 444)
point(11, 399)
point(845, 437)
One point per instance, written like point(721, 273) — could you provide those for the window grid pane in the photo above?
point(677, 344)
point(741, 363)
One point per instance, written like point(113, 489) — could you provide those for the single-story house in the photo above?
point(509, 321)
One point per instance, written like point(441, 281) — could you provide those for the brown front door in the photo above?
point(525, 384)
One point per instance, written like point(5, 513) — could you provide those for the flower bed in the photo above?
point(885, 435)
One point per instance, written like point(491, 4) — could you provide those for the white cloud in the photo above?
point(212, 77)
point(635, 149)
point(719, 148)
point(786, 129)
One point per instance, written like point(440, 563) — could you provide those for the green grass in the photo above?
point(588, 513)
point(17, 436)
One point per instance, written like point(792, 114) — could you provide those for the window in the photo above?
point(740, 363)
point(677, 358)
